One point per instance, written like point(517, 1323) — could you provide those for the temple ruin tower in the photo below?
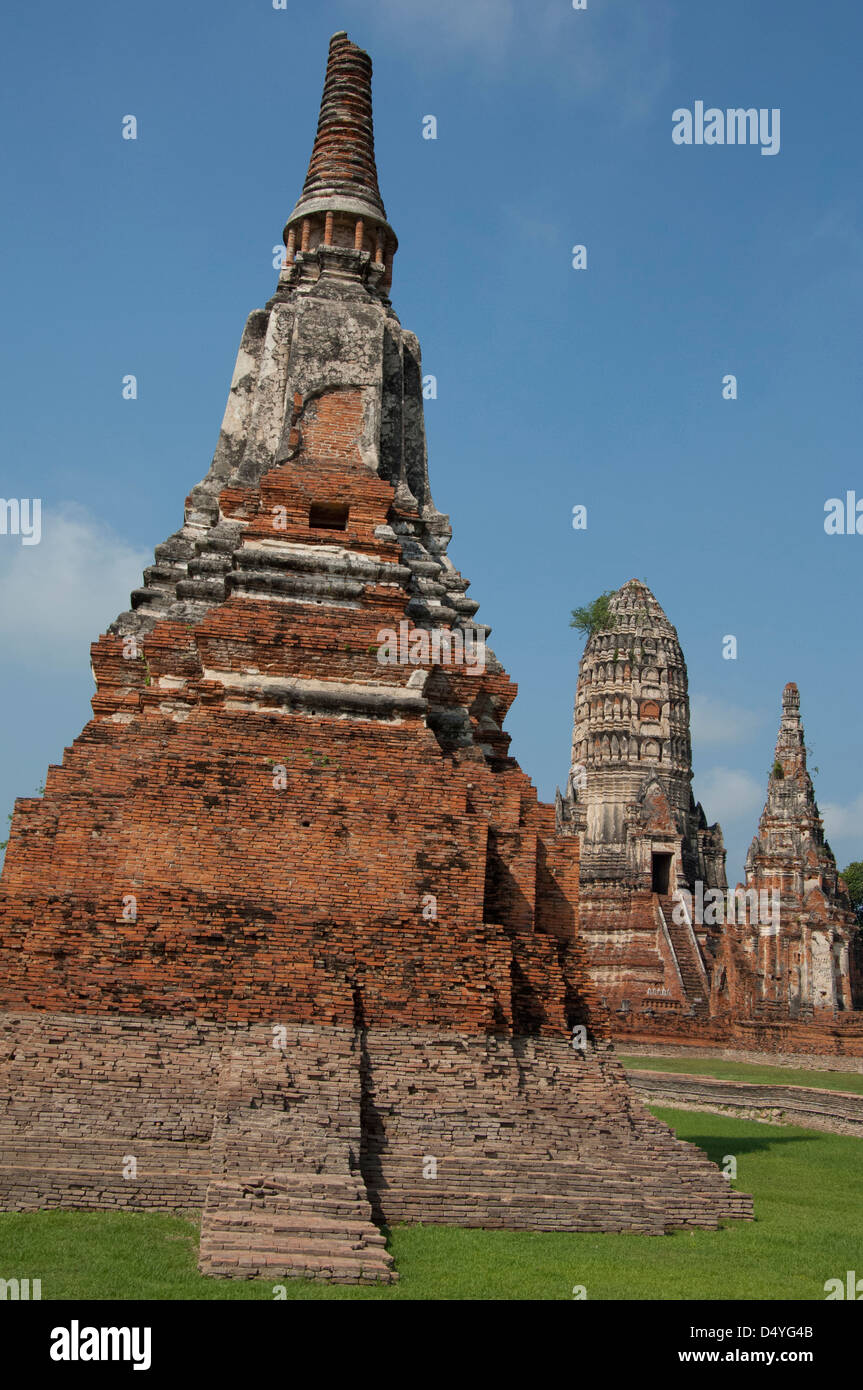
point(324, 365)
point(629, 800)
point(789, 939)
point(290, 920)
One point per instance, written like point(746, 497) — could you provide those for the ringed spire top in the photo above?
point(341, 203)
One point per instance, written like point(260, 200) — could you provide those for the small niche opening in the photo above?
point(660, 873)
point(328, 516)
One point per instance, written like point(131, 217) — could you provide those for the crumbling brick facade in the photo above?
point(289, 920)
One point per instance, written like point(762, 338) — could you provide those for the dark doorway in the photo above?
point(660, 873)
point(328, 516)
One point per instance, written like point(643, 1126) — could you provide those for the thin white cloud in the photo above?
point(536, 231)
point(716, 721)
point(482, 28)
point(623, 51)
point(729, 794)
point(833, 229)
point(606, 50)
point(59, 596)
point(844, 822)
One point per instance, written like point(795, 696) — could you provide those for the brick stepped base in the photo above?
point(89, 1175)
point(553, 1196)
point(526, 1134)
point(294, 1152)
point(310, 1226)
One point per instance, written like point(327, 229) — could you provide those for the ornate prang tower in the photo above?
point(289, 918)
point(802, 966)
point(629, 800)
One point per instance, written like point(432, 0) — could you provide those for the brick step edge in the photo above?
point(218, 1270)
point(264, 1243)
point(224, 1219)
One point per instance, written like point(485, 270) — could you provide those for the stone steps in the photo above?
point(299, 1224)
point(303, 1266)
point(692, 972)
point(293, 1226)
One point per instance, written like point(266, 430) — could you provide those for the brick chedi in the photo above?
point(789, 941)
point(289, 936)
point(629, 801)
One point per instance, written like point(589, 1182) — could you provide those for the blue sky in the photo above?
point(555, 386)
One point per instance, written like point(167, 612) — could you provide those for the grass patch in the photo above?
point(723, 1070)
point(808, 1229)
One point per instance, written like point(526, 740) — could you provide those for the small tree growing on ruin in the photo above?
point(594, 617)
point(853, 877)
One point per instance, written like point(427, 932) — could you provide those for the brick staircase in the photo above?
point(293, 1226)
point(695, 983)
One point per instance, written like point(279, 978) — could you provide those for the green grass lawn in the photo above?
point(749, 1071)
point(808, 1201)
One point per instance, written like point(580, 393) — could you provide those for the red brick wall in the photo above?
point(305, 902)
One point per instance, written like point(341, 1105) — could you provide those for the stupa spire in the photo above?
point(790, 755)
point(805, 961)
point(341, 203)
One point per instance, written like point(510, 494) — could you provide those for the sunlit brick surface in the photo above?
point(289, 920)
